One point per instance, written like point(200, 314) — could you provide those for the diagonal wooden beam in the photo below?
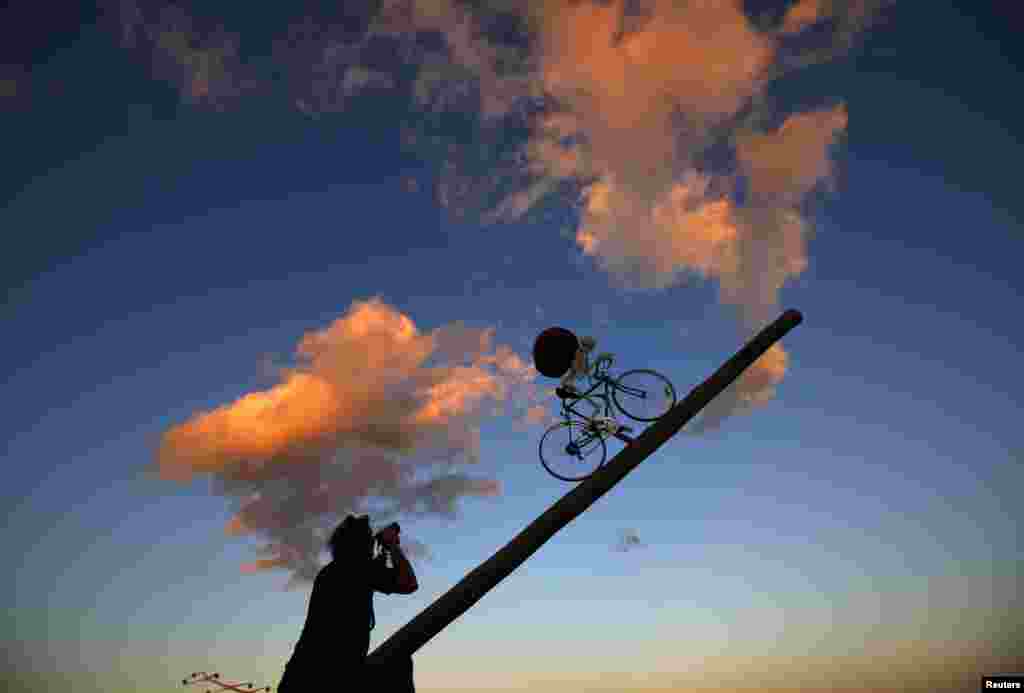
point(453, 603)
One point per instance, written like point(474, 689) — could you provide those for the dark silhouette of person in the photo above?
point(335, 639)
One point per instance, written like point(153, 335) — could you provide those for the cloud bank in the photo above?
point(653, 120)
point(376, 417)
point(655, 123)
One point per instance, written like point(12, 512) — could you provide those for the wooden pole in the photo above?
point(453, 603)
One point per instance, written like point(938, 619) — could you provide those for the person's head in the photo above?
point(588, 343)
point(352, 539)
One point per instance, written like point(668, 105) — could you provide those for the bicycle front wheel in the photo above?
point(572, 452)
point(643, 395)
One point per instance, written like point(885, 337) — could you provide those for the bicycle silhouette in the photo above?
point(641, 394)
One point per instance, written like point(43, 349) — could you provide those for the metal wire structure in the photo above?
point(214, 678)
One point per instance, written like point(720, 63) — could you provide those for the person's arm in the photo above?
point(406, 578)
point(580, 363)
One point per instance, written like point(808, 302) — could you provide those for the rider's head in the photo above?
point(587, 343)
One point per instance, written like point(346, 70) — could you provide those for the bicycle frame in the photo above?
point(600, 379)
point(568, 406)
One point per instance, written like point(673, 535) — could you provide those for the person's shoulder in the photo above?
point(330, 571)
point(336, 570)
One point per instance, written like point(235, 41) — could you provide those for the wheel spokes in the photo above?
point(644, 395)
point(570, 453)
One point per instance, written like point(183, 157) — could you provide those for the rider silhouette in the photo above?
point(579, 367)
point(336, 636)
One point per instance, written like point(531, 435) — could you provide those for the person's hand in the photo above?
point(389, 536)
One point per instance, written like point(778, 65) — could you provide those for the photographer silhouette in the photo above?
point(336, 636)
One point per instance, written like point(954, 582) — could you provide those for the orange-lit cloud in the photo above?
point(373, 418)
point(784, 165)
point(847, 20)
point(628, 106)
point(702, 58)
point(538, 414)
point(683, 229)
point(801, 15)
point(469, 59)
point(636, 110)
point(754, 388)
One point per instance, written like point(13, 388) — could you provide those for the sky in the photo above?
point(265, 267)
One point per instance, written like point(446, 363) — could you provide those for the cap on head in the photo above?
point(352, 534)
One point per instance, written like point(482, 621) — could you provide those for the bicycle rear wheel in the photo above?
point(568, 463)
point(643, 395)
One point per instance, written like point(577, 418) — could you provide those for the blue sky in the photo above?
point(155, 260)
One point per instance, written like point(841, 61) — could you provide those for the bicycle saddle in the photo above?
point(564, 393)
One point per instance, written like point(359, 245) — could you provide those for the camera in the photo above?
point(380, 544)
